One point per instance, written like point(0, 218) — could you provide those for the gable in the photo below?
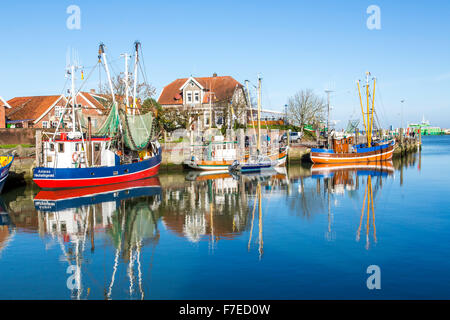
point(223, 88)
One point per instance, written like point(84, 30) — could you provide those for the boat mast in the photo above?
point(373, 109)
point(105, 63)
point(368, 122)
point(102, 54)
point(328, 117)
point(72, 70)
point(249, 101)
point(259, 116)
point(127, 103)
point(136, 61)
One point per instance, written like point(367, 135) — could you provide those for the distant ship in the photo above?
point(425, 128)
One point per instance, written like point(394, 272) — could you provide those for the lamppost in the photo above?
point(285, 114)
point(401, 124)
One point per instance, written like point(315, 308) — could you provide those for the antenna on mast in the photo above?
point(137, 44)
point(127, 102)
point(102, 55)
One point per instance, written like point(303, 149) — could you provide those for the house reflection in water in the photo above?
point(210, 206)
point(214, 206)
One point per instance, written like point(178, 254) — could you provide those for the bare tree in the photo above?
point(143, 91)
point(305, 107)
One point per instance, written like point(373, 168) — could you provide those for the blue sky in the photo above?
point(293, 44)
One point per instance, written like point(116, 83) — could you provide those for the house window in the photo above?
point(59, 111)
point(189, 97)
point(197, 96)
point(54, 124)
point(61, 147)
point(206, 120)
point(44, 124)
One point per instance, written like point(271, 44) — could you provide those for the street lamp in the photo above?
point(402, 101)
point(285, 114)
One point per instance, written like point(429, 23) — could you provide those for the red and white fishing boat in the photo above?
point(121, 150)
point(345, 151)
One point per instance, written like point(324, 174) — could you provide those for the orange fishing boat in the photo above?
point(345, 151)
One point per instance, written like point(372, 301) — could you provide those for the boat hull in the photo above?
point(56, 178)
point(373, 168)
point(58, 200)
point(362, 157)
point(208, 165)
point(5, 165)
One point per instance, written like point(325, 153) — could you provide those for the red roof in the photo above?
point(94, 99)
point(223, 88)
point(29, 108)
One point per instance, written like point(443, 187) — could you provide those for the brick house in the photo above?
point(3, 106)
point(45, 111)
point(198, 92)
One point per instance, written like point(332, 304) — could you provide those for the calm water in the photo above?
point(186, 236)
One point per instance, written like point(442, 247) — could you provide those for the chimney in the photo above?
point(214, 74)
point(92, 91)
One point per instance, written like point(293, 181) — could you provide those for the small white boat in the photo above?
point(257, 164)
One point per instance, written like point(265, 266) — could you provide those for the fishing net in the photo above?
point(110, 126)
point(136, 129)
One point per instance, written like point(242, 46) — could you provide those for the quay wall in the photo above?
point(18, 136)
point(25, 161)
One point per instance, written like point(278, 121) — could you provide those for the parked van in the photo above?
point(293, 137)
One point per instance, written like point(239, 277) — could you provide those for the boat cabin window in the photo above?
point(61, 147)
point(52, 147)
point(97, 146)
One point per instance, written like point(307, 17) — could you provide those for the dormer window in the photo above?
point(196, 96)
point(189, 97)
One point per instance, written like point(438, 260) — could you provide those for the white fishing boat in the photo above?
point(123, 149)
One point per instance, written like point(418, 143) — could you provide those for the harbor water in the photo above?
point(308, 232)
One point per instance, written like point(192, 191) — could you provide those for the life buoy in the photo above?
point(75, 156)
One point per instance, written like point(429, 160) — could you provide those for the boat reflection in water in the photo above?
point(217, 206)
point(212, 205)
point(7, 230)
point(121, 212)
point(339, 178)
